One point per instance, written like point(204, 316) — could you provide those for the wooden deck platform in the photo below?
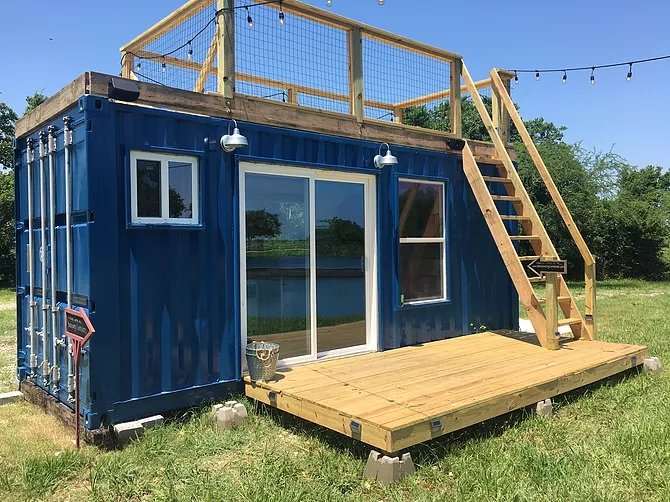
point(393, 400)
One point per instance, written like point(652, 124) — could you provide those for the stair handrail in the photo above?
point(501, 93)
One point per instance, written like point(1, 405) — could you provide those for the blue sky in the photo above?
point(630, 117)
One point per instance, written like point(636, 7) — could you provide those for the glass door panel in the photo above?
point(340, 265)
point(278, 262)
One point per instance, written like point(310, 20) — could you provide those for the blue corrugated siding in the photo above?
point(165, 301)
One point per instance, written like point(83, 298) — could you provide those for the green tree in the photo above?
point(7, 119)
point(34, 101)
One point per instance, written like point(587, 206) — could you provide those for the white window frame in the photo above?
point(428, 240)
point(164, 159)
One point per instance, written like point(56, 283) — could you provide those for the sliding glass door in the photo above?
point(307, 261)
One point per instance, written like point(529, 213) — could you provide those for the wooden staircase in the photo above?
point(543, 312)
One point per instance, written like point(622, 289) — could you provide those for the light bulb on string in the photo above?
point(139, 64)
point(516, 77)
point(593, 77)
point(537, 75)
point(630, 72)
point(381, 2)
point(282, 17)
point(565, 76)
point(189, 54)
point(329, 3)
point(250, 22)
point(164, 66)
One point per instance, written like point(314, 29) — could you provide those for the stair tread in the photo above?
point(497, 179)
point(569, 321)
point(536, 279)
point(488, 160)
point(514, 217)
point(528, 258)
point(560, 299)
point(525, 237)
point(511, 198)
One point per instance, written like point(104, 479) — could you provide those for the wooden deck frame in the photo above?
point(396, 399)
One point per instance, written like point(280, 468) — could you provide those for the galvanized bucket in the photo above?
point(262, 360)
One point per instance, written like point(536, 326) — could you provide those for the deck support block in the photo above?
point(653, 364)
point(11, 397)
point(229, 414)
point(387, 470)
point(128, 431)
point(545, 409)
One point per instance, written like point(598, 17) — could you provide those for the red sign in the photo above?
point(78, 326)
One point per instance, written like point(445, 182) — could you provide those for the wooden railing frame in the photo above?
point(356, 32)
point(500, 90)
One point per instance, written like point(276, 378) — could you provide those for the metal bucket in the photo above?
point(262, 360)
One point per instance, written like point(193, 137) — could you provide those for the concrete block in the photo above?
point(229, 414)
point(387, 470)
point(127, 431)
point(11, 397)
point(151, 422)
point(545, 408)
point(653, 364)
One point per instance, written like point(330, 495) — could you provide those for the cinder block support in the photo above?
point(11, 397)
point(229, 414)
point(127, 431)
point(653, 364)
point(545, 408)
point(151, 422)
point(386, 469)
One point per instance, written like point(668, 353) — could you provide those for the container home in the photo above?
point(306, 182)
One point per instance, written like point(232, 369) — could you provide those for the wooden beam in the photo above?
point(189, 9)
point(444, 94)
point(542, 169)
point(590, 300)
point(455, 99)
point(356, 87)
point(127, 64)
point(225, 34)
point(551, 310)
point(206, 65)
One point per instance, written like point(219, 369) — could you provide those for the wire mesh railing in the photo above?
point(286, 51)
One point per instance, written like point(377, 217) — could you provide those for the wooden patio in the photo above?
point(396, 399)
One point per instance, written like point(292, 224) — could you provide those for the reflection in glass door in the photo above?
point(278, 262)
point(308, 261)
point(340, 265)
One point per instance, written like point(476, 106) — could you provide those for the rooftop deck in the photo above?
point(396, 399)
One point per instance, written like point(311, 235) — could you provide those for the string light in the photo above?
point(381, 2)
point(329, 3)
point(164, 66)
point(593, 68)
point(282, 17)
point(250, 21)
point(139, 64)
point(189, 54)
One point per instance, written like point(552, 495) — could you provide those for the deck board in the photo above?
point(396, 399)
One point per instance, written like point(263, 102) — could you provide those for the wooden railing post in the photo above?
point(356, 88)
point(225, 48)
point(127, 65)
point(551, 310)
point(455, 97)
point(501, 117)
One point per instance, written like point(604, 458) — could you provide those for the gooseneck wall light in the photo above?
point(386, 160)
point(230, 142)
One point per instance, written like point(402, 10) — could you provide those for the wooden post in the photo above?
point(292, 95)
point(206, 66)
point(504, 114)
point(399, 115)
point(551, 310)
point(455, 97)
point(590, 299)
point(226, 48)
point(496, 111)
point(356, 73)
point(127, 65)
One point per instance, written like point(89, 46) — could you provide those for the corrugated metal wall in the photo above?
point(165, 300)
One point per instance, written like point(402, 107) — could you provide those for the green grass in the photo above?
point(610, 442)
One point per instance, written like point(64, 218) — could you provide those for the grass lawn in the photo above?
point(609, 443)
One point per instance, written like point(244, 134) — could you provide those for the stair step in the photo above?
point(489, 160)
point(497, 179)
point(525, 237)
point(569, 321)
point(514, 217)
point(509, 198)
point(560, 299)
point(536, 279)
point(528, 258)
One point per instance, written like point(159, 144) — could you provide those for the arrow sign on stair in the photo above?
point(539, 267)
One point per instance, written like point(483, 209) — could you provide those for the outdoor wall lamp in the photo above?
point(229, 142)
point(386, 160)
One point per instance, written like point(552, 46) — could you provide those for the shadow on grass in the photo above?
point(435, 450)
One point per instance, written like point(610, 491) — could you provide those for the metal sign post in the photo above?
point(78, 329)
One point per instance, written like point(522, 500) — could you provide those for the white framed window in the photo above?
point(422, 249)
point(164, 188)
